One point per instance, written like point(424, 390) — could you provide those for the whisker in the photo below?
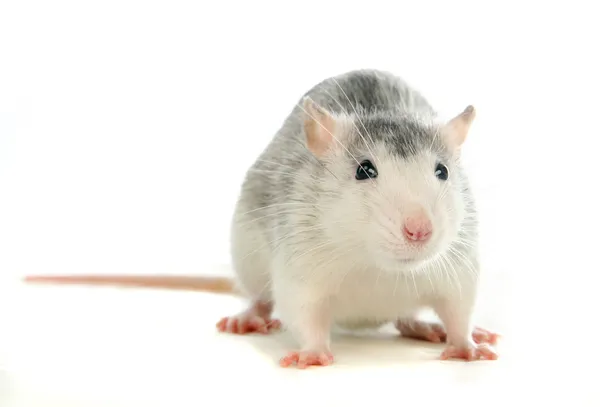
point(468, 263)
point(275, 163)
point(377, 279)
point(412, 274)
point(274, 205)
point(430, 281)
point(279, 213)
point(281, 239)
point(465, 242)
point(353, 123)
point(396, 285)
point(450, 272)
point(455, 275)
point(355, 112)
point(435, 135)
point(312, 158)
point(317, 247)
point(282, 172)
point(343, 278)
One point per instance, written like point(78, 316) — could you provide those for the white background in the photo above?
point(126, 128)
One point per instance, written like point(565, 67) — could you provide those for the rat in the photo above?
point(358, 213)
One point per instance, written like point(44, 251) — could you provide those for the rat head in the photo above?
point(393, 190)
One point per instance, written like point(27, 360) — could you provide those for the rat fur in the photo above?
point(324, 248)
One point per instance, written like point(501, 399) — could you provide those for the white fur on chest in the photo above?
point(359, 293)
point(378, 296)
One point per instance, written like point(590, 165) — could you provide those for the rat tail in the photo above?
point(222, 285)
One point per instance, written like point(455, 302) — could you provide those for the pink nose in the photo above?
point(417, 229)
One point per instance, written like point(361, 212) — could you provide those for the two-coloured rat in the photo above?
point(358, 213)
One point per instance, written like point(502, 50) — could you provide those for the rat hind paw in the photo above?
point(434, 332)
point(244, 324)
point(257, 318)
point(469, 352)
point(422, 330)
point(304, 359)
point(481, 335)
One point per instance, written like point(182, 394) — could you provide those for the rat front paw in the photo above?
point(469, 352)
point(304, 359)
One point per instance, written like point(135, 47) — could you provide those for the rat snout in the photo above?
point(418, 227)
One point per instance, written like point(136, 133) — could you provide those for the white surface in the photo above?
point(126, 128)
point(126, 347)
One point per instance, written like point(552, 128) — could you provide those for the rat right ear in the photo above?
point(456, 130)
point(319, 127)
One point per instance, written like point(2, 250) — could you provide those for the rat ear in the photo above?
point(319, 127)
point(456, 130)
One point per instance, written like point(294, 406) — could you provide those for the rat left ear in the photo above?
point(456, 130)
point(319, 127)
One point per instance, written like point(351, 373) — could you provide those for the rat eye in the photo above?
point(366, 170)
point(441, 171)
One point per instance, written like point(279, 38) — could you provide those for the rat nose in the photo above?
point(417, 228)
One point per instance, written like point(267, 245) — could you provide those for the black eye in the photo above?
point(441, 171)
point(366, 170)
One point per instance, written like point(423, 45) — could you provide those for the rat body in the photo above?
point(358, 213)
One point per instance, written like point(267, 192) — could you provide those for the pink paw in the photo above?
point(481, 335)
point(422, 330)
point(304, 359)
point(248, 324)
point(469, 352)
point(434, 332)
